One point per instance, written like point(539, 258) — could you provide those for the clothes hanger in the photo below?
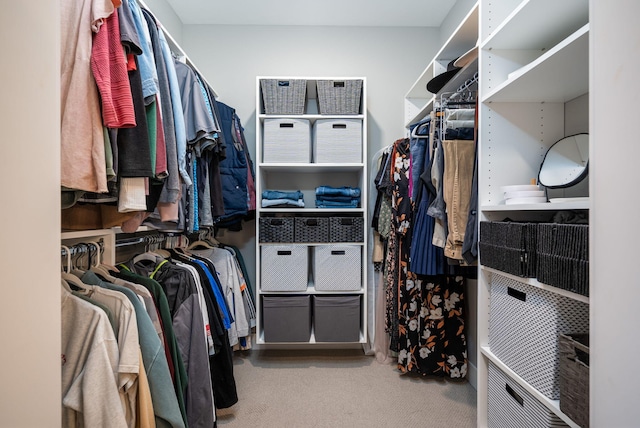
point(67, 252)
point(148, 256)
point(199, 243)
point(65, 285)
point(76, 266)
point(99, 262)
point(68, 279)
point(100, 268)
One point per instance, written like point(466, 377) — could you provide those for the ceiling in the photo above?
point(415, 13)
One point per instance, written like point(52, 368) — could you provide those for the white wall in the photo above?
point(164, 13)
point(613, 164)
point(231, 57)
point(30, 215)
point(454, 17)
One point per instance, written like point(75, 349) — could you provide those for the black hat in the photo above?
point(437, 83)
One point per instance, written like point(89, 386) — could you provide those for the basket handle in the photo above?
point(517, 294)
point(283, 83)
point(514, 394)
point(338, 252)
point(339, 84)
point(286, 125)
point(284, 253)
point(339, 126)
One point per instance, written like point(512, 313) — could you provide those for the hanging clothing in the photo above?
point(89, 354)
point(165, 401)
point(81, 137)
point(188, 327)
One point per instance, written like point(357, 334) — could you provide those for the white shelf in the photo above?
point(463, 38)
point(311, 210)
point(312, 341)
point(560, 75)
point(462, 76)
point(531, 26)
point(418, 100)
point(310, 244)
point(310, 168)
point(311, 290)
point(417, 108)
point(580, 205)
point(311, 117)
point(553, 405)
point(535, 283)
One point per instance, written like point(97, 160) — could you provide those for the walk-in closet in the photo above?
point(331, 214)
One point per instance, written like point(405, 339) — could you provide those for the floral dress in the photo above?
point(430, 325)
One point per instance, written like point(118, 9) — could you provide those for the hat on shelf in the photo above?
point(467, 58)
point(437, 83)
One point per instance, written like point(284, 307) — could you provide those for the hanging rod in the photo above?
point(176, 47)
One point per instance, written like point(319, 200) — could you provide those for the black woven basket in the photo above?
point(563, 256)
point(574, 377)
point(277, 229)
point(311, 229)
point(509, 247)
point(346, 229)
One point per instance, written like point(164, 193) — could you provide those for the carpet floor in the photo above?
point(340, 388)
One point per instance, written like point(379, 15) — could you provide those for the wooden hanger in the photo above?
point(199, 243)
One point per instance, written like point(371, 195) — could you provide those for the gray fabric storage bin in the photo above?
point(284, 267)
point(510, 405)
point(287, 141)
point(337, 267)
point(336, 318)
point(286, 318)
point(337, 141)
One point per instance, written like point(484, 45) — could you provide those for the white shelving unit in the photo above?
point(306, 177)
point(534, 85)
point(418, 101)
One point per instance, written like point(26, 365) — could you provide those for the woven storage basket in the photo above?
point(524, 325)
point(281, 96)
point(311, 229)
point(509, 247)
point(337, 267)
point(563, 256)
point(279, 229)
point(346, 229)
point(511, 406)
point(284, 268)
point(337, 141)
point(339, 96)
point(287, 140)
point(574, 377)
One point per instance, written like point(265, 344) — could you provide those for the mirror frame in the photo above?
point(576, 180)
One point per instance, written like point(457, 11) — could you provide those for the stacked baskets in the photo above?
point(556, 254)
point(311, 229)
point(289, 96)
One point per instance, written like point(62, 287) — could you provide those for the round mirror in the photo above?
point(566, 162)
